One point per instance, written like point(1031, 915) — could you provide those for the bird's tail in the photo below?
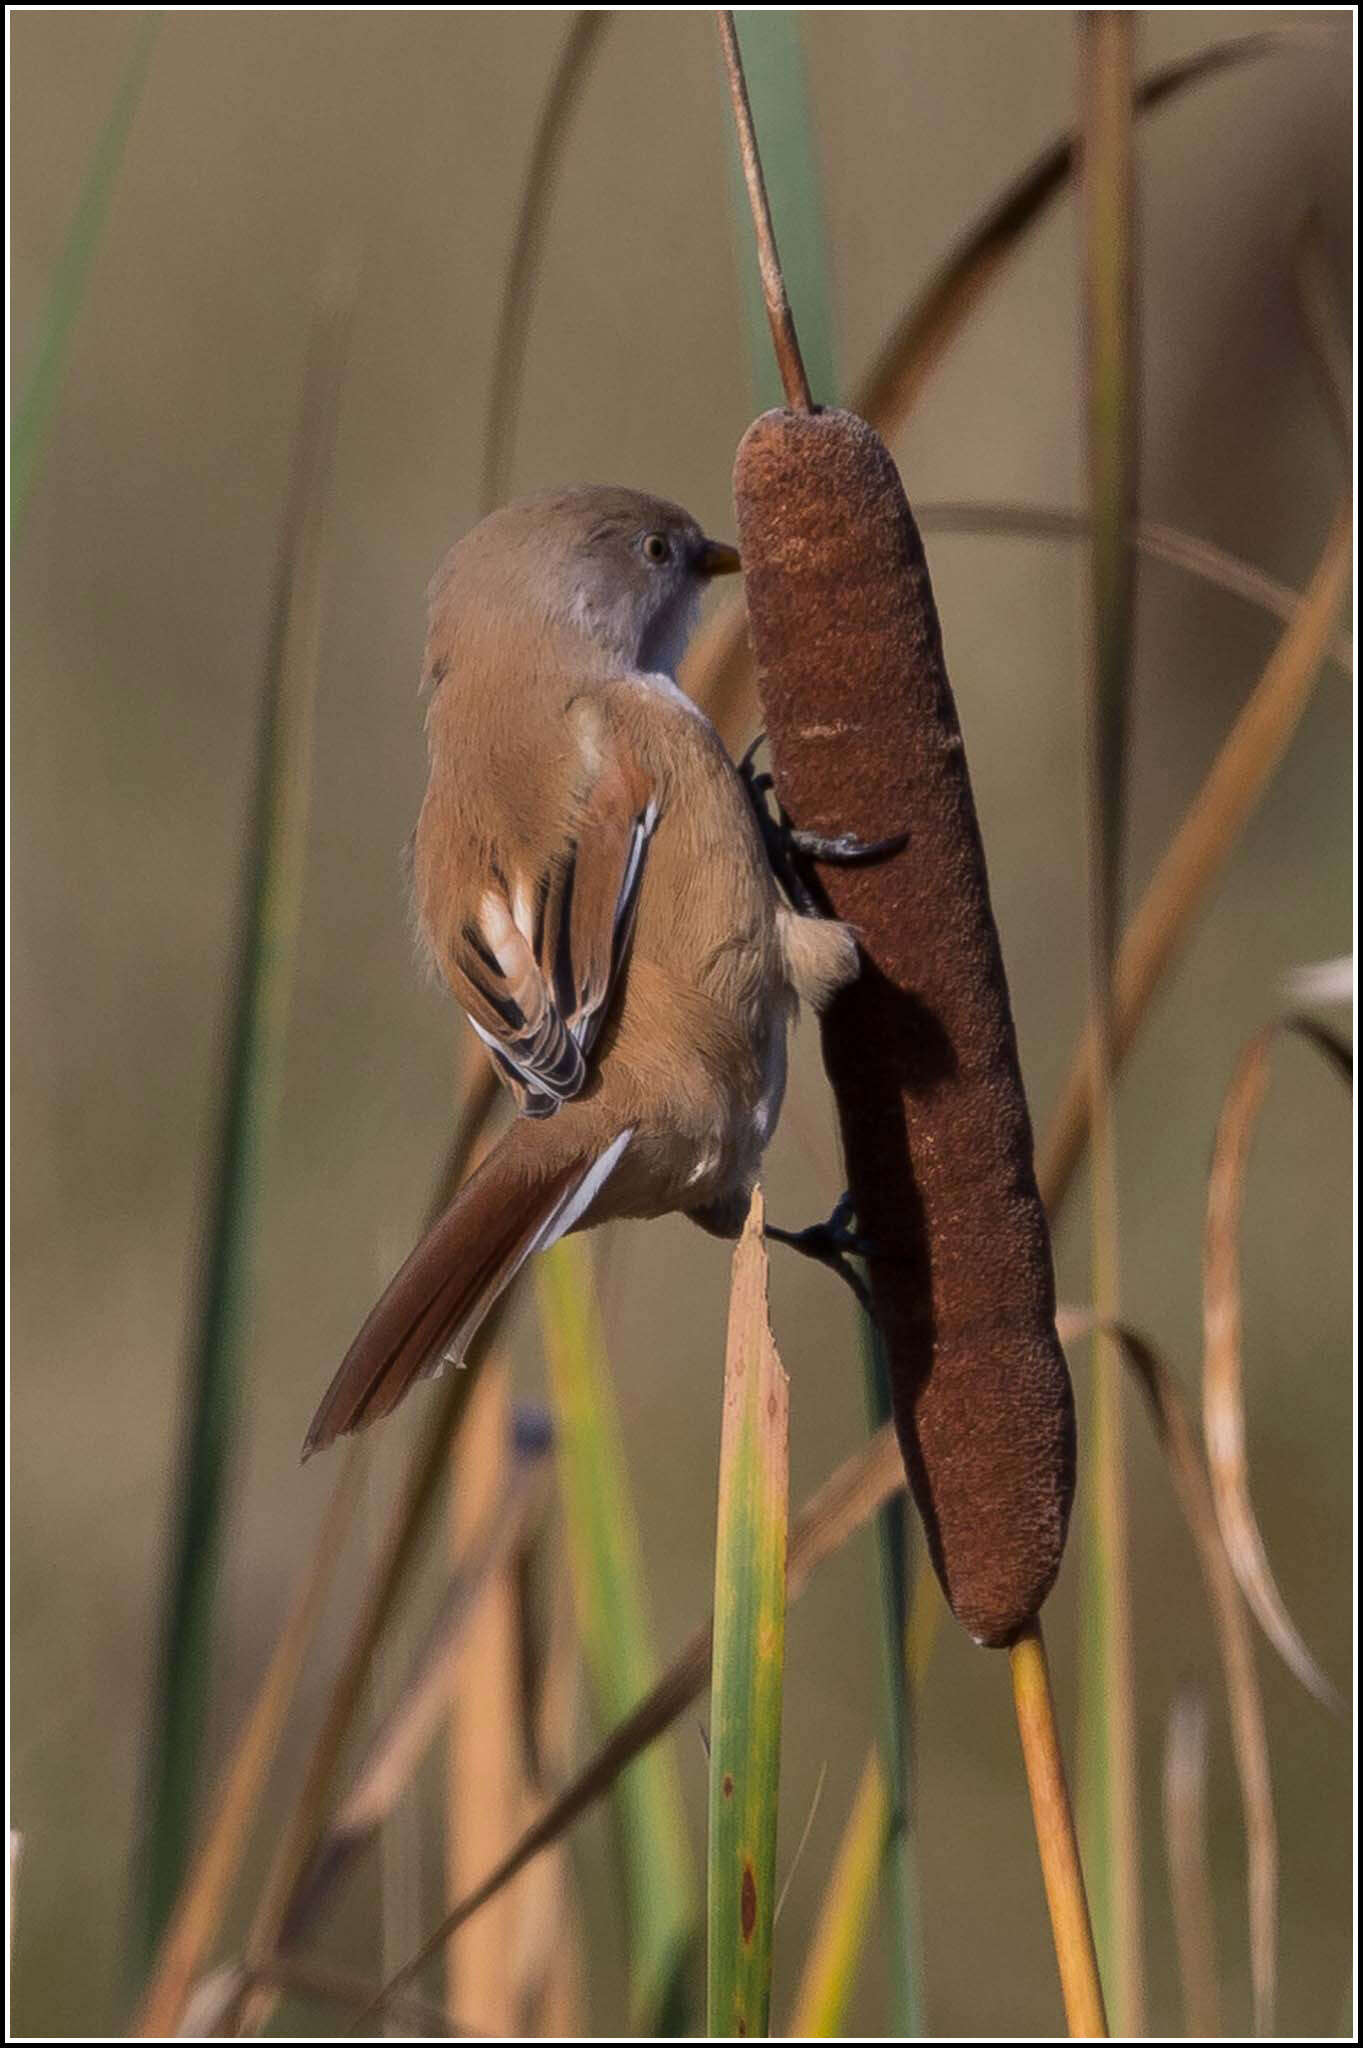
point(531, 1189)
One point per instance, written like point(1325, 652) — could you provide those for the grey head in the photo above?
point(619, 572)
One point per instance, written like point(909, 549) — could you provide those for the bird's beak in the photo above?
point(717, 558)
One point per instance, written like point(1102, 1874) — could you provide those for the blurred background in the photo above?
point(141, 590)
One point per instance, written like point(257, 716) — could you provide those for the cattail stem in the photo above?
point(788, 358)
point(1055, 1836)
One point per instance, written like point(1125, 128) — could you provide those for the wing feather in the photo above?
point(536, 964)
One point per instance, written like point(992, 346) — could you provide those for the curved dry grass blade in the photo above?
point(1323, 981)
point(259, 994)
point(326, 1985)
point(1212, 824)
point(802, 1844)
point(1327, 345)
point(1056, 1839)
point(213, 2002)
point(403, 1736)
point(198, 1912)
point(748, 1666)
point(1223, 1392)
point(34, 411)
point(607, 1570)
point(1235, 1647)
point(843, 1504)
point(513, 323)
point(221, 1994)
point(1199, 558)
point(1185, 1845)
point(920, 341)
point(831, 1959)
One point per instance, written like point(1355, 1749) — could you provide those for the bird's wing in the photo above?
point(535, 961)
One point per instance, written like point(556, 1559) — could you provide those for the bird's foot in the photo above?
point(832, 1244)
point(788, 846)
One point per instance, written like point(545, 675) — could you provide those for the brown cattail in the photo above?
point(920, 1049)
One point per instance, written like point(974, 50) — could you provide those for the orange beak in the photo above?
point(717, 558)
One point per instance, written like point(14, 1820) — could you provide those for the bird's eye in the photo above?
point(655, 547)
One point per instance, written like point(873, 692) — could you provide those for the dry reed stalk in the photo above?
point(1235, 1646)
point(399, 1830)
point(1199, 558)
point(1326, 342)
point(485, 1778)
point(1108, 1762)
point(404, 1734)
point(1223, 1394)
point(1056, 1839)
point(303, 1828)
point(1185, 1848)
point(549, 1965)
point(199, 1909)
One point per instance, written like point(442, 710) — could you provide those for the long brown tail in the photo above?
point(532, 1187)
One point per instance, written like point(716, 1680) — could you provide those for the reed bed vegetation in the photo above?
point(473, 1774)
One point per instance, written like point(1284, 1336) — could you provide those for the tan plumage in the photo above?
point(591, 884)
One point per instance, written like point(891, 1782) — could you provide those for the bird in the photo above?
point(593, 885)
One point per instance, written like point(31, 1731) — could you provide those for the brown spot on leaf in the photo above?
point(747, 1910)
point(728, 1784)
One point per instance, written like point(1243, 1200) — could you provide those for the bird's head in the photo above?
point(619, 572)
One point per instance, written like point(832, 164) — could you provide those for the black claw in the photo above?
point(846, 849)
point(831, 1244)
point(745, 766)
point(785, 842)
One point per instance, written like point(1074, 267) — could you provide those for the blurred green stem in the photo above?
point(900, 1863)
point(1107, 1712)
point(33, 414)
point(259, 998)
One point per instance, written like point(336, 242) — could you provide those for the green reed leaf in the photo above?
point(612, 1610)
